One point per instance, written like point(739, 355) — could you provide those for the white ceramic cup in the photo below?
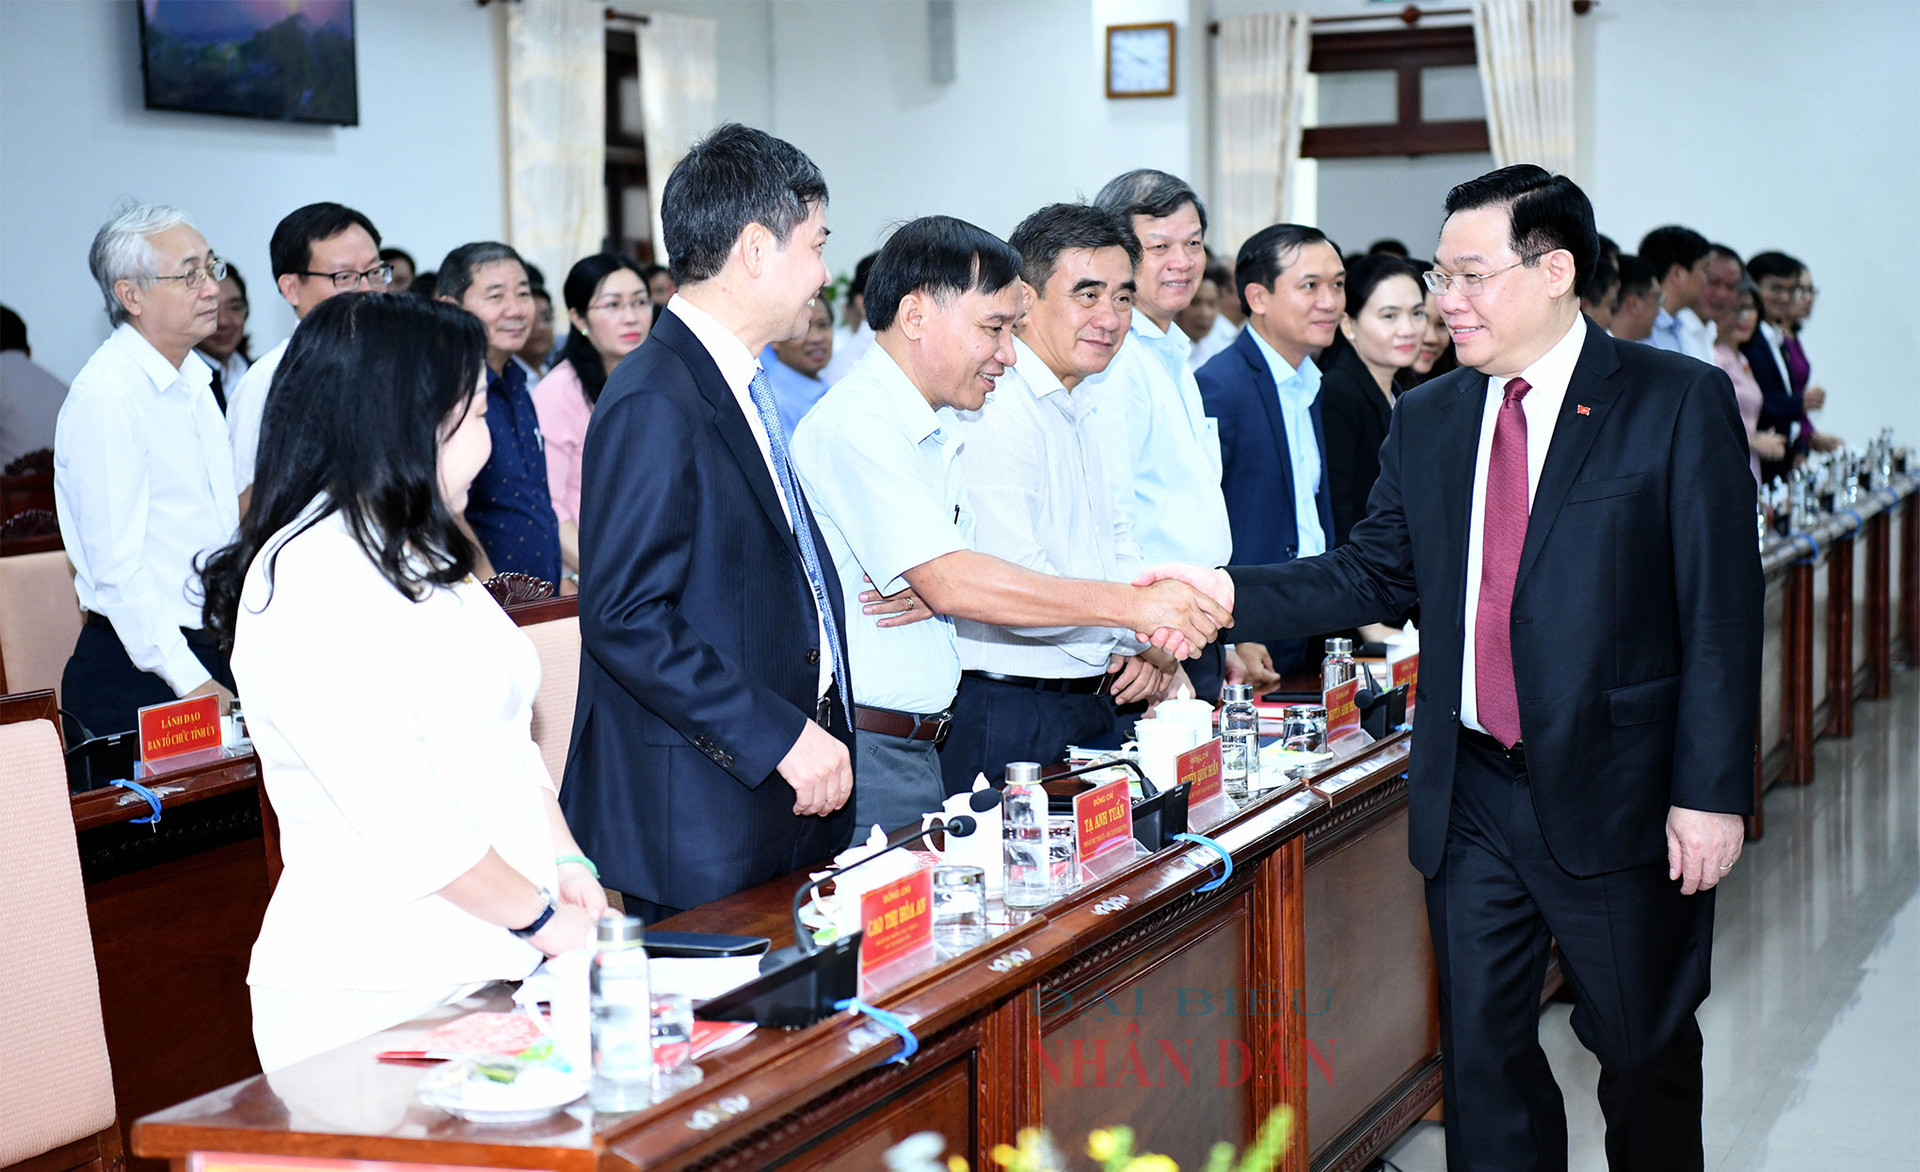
point(1158, 743)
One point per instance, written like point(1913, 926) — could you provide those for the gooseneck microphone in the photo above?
point(959, 826)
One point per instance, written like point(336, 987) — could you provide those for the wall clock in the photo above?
point(1140, 60)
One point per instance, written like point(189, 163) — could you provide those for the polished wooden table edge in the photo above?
point(109, 804)
point(759, 1081)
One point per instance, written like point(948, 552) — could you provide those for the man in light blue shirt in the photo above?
point(1679, 257)
point(877, 457)
point(1164, 450)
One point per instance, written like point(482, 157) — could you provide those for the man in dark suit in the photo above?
point(711, 740)
point(1265, 392)
point(1781, 409)
point(1589, 683)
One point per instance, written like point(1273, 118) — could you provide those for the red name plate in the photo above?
point(1104, 818)
point(183, 726)
point(1343, 714)
point(897, 918)
point(1407, 671)
point(1200, 768)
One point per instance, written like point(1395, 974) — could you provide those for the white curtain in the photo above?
point(678, 81)
point(1526, 72)
point(1260, 73)
point(556, 132)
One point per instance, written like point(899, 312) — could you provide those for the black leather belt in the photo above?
point(905, 725)
point(1074, 686)
point(1479, 740)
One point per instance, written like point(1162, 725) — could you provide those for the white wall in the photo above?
point(1788, 124)
point(1025, 122)
point(425, 163)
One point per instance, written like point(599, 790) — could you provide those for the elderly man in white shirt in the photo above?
point(143, 475)
point(317, 251)
point(1038, 478)
point(1163, 448)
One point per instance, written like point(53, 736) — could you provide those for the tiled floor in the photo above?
point(1813, 1028)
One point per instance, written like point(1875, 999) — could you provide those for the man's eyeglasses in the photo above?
point(1802, 291)
point(377, 277)
point(194, 276)
point(1469, 284)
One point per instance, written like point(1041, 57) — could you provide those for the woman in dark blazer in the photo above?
point(1379, 337)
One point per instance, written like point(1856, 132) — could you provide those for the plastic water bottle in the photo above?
point(1029, 881)
point(1239, 743)
point(622, 1017)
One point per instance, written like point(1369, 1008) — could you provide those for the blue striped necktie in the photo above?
point(763, 402)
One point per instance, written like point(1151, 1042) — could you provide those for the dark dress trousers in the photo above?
point(700, 648)
point(1237, 389)
point(1780, 408)
point(1355, 416)
point(1636, 627)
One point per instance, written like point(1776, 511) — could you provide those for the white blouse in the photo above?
point(393, 739)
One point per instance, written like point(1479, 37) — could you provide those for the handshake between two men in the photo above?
point(1175, 609)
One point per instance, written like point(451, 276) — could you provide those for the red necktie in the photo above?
point(1503, 535)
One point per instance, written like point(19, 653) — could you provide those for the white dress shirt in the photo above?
point(143, 482)
point(394, 741)
point(737, 367)
point(849, 346)
point(1035, 465)
point(30, 399)
point(1164, 448)
point(1548, 378)
point(1772, 336)
point(246, 403)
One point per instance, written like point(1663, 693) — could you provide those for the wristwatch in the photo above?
point(539, 921)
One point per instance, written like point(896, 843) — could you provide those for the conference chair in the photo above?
point(56, 1086)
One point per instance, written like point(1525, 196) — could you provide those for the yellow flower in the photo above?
point(1004, 1155)
point(1102, 1145)
point(957, 1164)
point(1152, 1164)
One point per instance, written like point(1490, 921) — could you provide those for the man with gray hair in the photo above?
point(1163, 449)
point(143, 475)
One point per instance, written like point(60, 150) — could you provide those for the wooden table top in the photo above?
point(345, 1103)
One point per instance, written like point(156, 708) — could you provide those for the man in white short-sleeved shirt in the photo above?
point(142, 476)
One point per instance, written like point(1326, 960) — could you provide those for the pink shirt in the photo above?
point(561, 403)
point(1745, 391)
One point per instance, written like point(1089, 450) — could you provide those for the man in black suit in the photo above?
point(1591, 666)
point(711, 740)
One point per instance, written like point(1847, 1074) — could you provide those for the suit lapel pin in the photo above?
point(1583, 409)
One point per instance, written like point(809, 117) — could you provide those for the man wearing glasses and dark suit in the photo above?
point(1574, 515)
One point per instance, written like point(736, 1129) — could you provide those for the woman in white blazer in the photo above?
point(388, 697)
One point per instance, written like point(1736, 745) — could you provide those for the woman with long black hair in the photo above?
point(388, 697)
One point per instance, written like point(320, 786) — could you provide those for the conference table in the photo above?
point(1305, 982)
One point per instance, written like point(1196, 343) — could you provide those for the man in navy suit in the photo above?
point(711, 740)
point(1265, 392)
point(1574, 515)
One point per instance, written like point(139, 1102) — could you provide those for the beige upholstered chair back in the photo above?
point(39, 620)
point(558, 642)
point(55, 1084)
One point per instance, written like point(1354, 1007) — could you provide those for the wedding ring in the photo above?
point(1728, 867)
